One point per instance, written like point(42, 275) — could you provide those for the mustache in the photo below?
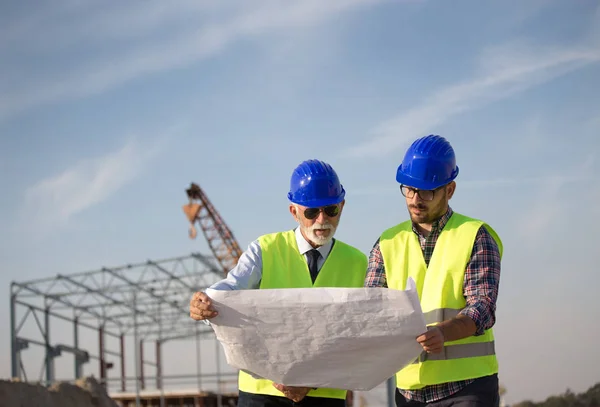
point(321, 226)
point(420, 207)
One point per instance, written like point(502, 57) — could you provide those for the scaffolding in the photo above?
point(148, 301)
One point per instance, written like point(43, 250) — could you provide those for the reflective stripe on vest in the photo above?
point(440, 314)
point(403, 257)
point(285, 267)
point(465, 350)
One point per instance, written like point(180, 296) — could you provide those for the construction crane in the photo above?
point(220, 239)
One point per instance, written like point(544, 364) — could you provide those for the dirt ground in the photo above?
point(86, 392)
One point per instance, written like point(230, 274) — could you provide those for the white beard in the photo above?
point(313, 237)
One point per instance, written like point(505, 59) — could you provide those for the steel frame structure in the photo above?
point(149, 301)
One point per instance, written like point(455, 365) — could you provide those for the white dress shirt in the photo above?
point(247, 273)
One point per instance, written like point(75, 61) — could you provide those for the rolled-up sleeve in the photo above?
point(482, 278)
point(375, 268)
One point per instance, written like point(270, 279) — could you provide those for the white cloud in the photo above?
point(67, 25)
point(503, 72)
point(547, 207)
point(529, 181)
point(554, 201)
point(55, 200)
point(184, 42)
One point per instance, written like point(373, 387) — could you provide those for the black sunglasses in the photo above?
point(331, 211)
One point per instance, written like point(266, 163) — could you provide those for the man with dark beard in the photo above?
point(307, 256)
point(455, 262)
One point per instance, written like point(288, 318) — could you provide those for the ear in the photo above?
point(294, 212)
point(342, 204)
point(450, 189)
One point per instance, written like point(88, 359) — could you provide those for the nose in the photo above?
point(416, 199)
point(321, 218)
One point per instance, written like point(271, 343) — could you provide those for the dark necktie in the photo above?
point(313, 257)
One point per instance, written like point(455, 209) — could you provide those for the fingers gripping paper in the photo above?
point(347, 338)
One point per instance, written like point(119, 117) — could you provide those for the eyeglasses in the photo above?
point(312, 213)
point(424, 194)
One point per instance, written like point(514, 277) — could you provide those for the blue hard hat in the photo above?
point(314, 184)
point(428, 164)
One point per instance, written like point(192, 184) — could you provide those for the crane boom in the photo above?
point(220, 239)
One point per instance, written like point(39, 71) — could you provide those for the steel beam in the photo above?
point(102, 363)
point(122, 342)
point(14, 352)
point(49, 353)
point(78, 361)
point(158, 366)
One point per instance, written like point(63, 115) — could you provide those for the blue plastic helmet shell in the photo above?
point(428, 164)
point(315, 184)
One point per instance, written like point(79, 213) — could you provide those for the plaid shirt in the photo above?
point(480, 289)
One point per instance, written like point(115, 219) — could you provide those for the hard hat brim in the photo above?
point(416, 183)
point(318, 203)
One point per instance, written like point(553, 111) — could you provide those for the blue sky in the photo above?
point(109, 110)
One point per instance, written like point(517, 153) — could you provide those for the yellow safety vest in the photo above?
point(285, 267)
point(440, 289)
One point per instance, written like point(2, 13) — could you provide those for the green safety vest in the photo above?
point(440, 289)
point(285, 267)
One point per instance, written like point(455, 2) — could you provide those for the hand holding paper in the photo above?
point(345, 338)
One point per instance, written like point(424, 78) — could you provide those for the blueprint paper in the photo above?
point(345, 338)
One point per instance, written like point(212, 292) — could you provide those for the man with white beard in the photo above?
point(307, 256)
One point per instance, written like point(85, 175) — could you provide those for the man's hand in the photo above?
point(201, 307)
point(295, 394)
point(432, 341)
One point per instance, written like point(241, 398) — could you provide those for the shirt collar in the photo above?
point(304, 246)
